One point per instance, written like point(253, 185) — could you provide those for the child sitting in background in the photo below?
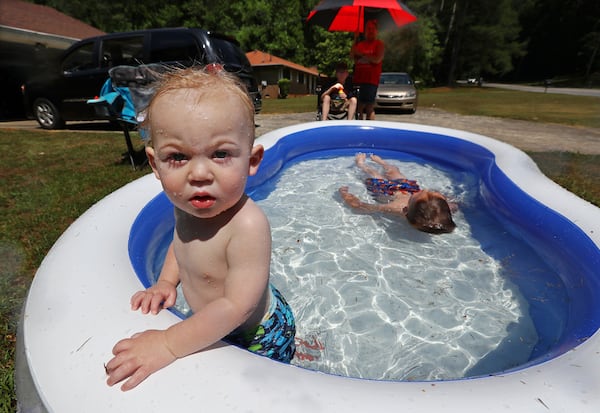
point(339, 96)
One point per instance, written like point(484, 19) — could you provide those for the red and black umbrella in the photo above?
point(351, 15)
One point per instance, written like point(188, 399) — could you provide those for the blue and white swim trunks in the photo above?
point(274, 336)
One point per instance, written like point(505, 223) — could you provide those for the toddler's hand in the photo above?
point(138, 357)
point(159, 296)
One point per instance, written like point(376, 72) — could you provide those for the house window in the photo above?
point(286, 73)
point(301, 77)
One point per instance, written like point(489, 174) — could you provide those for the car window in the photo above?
point(123, 51)
point(174, 47)
point(395, 80)
point(229, 53)
point(81, 58)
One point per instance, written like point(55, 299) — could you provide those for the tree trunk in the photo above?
point(459, 13)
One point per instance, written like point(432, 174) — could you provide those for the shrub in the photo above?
point(284, 88)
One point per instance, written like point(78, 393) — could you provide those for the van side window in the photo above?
point(122, 51)
point(174, 47)
point(79, 59)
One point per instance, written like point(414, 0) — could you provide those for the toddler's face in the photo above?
point(202, 150)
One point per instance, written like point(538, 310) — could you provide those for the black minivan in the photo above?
point(60, 93)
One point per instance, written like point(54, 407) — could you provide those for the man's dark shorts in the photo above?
point(367, 93)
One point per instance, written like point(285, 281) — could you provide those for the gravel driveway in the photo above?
point(527, 136)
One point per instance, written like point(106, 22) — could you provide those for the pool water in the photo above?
point(373, 298)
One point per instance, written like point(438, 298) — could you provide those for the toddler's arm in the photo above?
point(163, 293)
point(248, 257)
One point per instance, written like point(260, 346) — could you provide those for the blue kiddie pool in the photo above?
point(78, 305)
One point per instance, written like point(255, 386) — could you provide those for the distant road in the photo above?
point(550, 89)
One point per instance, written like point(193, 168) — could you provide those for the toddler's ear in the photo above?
point(256, 157)
point(150, 154)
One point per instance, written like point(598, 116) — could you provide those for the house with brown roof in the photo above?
point(269, 69)
point(30, 36)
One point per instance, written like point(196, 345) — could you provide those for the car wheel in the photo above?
point(47, 115)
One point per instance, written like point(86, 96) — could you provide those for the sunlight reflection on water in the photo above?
point(374, 298)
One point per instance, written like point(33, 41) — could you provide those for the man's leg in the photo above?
point(368, 94)
point(370, 109)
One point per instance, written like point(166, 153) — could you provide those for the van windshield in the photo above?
point(230, 54)
point(177, 46)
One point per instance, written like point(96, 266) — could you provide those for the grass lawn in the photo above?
point(537, 107)
point(47, 180)
point(50, 178)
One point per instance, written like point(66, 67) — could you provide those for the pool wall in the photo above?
point(78, 304)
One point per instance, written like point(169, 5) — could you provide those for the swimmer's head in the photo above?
point(429, 212)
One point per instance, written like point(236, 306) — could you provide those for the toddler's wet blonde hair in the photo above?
point(206, 83)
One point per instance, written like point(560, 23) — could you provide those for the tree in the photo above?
point(329, 49)
point(272, 26)
point(481, 37)
point(561, 37)
point(414, 49)
point(452, 39)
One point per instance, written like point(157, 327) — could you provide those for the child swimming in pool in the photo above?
point(425, 210)
point(200, 128)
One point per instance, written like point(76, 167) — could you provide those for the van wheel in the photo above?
point(47, 115)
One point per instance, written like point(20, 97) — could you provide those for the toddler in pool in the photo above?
point(200, 129)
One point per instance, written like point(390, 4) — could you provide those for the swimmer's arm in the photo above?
point(352, 201)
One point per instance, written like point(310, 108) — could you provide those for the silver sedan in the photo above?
point(396, 91)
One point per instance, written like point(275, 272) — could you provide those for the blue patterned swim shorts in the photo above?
point(274, 337)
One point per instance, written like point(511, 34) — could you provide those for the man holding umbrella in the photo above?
point(350, 16)
point(368, 58)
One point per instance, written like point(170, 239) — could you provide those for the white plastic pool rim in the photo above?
point(78, 308)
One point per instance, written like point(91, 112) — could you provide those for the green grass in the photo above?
point(299, 104)
point(537, 107)
point(48, 179)
point(578, 173)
